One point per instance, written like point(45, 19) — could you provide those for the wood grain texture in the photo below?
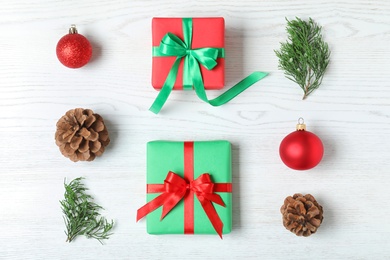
point(350, 112)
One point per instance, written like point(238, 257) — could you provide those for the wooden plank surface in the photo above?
point(350, 112)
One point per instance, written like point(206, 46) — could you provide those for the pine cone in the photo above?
point(81, 135)
point(302, 215)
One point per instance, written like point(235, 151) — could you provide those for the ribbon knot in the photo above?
point(171, 45)
point(176, 188)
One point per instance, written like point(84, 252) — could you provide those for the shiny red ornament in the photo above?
point(74, 50)
point(301, 150)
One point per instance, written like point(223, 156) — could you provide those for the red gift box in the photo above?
point(206, 32)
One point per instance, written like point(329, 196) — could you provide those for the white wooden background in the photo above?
point(350, 112)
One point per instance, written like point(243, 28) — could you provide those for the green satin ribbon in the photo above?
point(171, 45)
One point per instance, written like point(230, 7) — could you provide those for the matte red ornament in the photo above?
point(301, 150)
point(74, 50)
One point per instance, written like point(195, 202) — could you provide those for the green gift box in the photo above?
point(185, 183)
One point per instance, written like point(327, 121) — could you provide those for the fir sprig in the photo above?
point(305, 56)
point(81, 214)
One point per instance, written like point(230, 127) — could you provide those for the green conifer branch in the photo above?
point(81, 214)
point(304, 57)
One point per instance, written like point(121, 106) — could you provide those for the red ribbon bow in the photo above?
point(175, 188)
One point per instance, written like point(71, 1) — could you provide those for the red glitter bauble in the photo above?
point(301, 150)
point(74, 50)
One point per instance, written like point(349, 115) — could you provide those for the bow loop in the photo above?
point(174, 183)
point(204, 189)
point(173, 46)
point(206, 56)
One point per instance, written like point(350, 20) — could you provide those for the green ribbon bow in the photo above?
point(171, 45)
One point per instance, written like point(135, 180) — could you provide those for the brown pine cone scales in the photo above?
point(81, 135)
point(302, 215)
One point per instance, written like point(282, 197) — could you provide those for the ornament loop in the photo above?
point(301, 124)
point(72, 29)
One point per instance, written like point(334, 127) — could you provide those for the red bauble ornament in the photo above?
point(74, 50)
point(301, 150)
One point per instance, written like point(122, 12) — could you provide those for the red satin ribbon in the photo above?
point(176, 188)
point(189, 199)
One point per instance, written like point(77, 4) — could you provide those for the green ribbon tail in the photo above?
point(232, 92)
point(166, 88)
